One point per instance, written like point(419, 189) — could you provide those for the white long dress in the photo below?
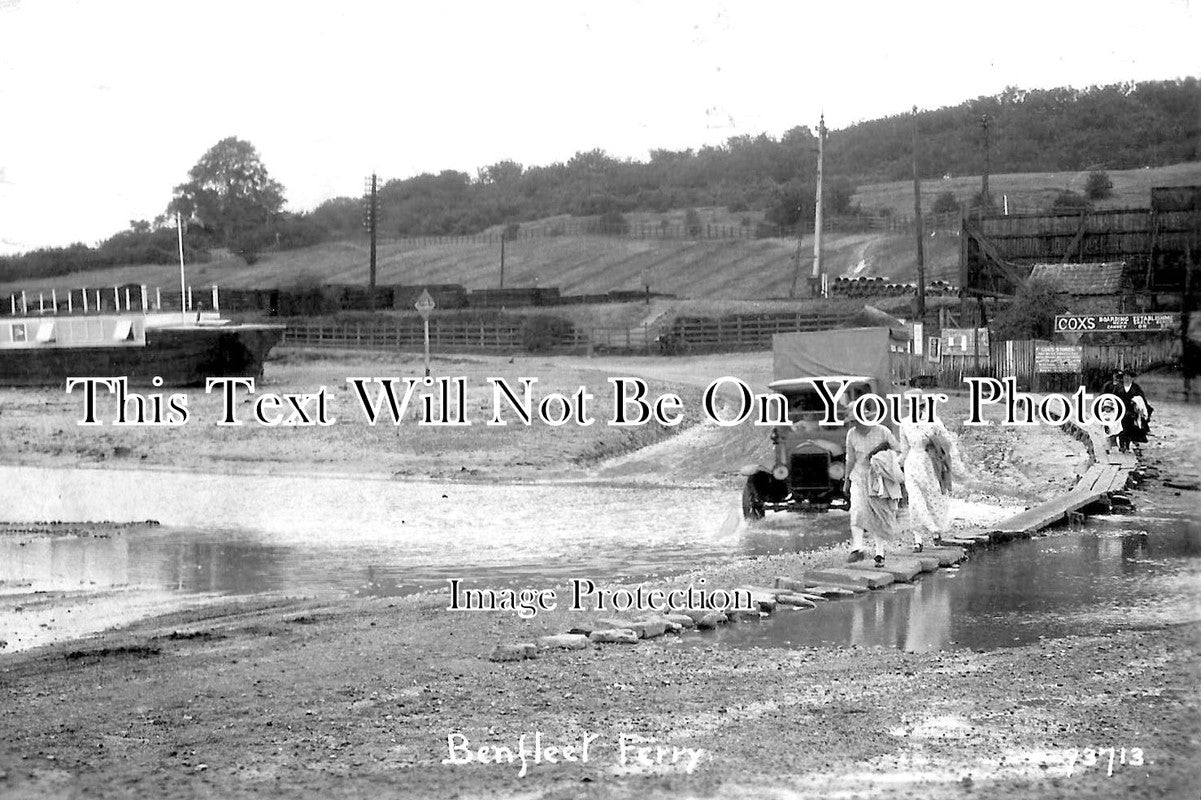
point(876, 515)
point(928, 506)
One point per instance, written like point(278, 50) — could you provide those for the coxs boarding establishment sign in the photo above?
point(1088, 323)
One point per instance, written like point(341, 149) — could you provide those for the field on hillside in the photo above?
point(715, 269)
point(1028, 192)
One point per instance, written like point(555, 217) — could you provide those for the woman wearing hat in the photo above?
point(1135, 422)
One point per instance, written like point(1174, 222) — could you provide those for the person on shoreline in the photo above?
point(873, 512)
point(926, 457)
point(1113, 429)
point(1136, 420)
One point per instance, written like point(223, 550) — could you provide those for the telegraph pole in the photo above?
point(985, 200)
point(817, 214)
point(917, 227)
point(502, 259)
point(371, 221)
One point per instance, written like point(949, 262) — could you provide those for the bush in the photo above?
point(1031, 315)
point(945, 203)
point(542, 332)
point(611, 222)
point(1098, 186)
point(692, 223)
point(1070, 201)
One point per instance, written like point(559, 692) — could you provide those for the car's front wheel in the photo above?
point(752, 501)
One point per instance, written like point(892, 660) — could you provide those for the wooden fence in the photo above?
point(743, 331)
point(948, 223)
point(1017, 359)
point(684, 335)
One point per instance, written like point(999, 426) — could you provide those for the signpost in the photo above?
point(424, 305)
point(1090, 323)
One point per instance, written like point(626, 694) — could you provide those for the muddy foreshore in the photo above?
point(357, 697)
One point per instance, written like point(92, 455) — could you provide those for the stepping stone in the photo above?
point(798, 601)
point(711, 620)
point(836, 592)
point(947, 556)
point(564, 641)
point(615, 636)
point(901, 570)
point(765, 599)
point(967, 543)
point(920, 560)
point(646, 629)
point(843, 576)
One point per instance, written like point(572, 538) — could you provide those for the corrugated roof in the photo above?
point(1108, 277)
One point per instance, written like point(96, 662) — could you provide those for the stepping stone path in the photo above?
point(837, 582)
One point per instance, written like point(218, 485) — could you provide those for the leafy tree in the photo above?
point(1098, 186)
point(1031, 315)
point(230, 193)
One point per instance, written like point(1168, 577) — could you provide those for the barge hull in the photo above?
point(184, 356)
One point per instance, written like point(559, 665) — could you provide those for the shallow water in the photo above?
point(241, 535)
point(247, 534)
point(1118, 572)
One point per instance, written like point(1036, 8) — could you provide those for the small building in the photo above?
point(1096, 288)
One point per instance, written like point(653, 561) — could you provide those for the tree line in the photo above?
point(230, 201)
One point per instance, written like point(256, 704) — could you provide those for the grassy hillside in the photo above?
point(1030, 191)
point(731, 269)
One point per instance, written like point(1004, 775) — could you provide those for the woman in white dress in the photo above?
point(874, 514)
point(926, 455)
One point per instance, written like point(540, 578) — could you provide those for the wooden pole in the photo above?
point(374, 214)
point(817, 214)
point(183, 308)
point(917, 227)
point(984, 198)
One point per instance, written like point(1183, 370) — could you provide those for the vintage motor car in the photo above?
point(809, 462)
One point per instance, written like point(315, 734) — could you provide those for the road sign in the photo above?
point(1087, 323)
point(425, 304)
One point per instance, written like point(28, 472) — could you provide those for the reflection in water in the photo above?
point(1015, 594)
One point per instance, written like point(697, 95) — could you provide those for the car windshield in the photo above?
point(806, 403)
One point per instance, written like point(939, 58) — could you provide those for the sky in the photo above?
point(105, 106)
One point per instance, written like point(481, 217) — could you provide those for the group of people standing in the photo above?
point(1136, 420)
point(882, 468)
point(879, 464)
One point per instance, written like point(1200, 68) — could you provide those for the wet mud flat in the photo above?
point(288, 698)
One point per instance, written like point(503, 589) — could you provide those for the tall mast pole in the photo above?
point(917, 227)
point(373, 220)
point(183, 292)
point(985, 201)
point(817, 214)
